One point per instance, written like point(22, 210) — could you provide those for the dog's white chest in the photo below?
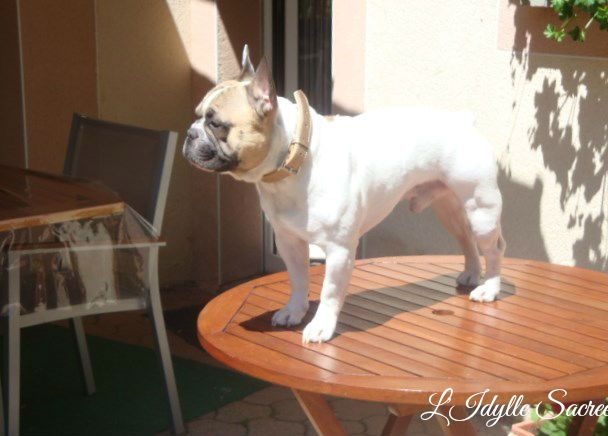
point(286, 213)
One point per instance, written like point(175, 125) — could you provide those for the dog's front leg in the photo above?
point(338, 268)
point(294, 252)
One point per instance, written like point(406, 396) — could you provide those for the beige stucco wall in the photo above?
point(348, 56)
point(59, 75)
point(545, 116)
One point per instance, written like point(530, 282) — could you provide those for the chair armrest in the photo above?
point(54, 247)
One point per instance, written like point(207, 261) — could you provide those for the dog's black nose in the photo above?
point(192, 134)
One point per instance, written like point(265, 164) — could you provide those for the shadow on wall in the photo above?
point(571, 134)
point(521, 225)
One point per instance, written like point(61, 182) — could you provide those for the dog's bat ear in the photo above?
point(261, 91)
point(246, 65)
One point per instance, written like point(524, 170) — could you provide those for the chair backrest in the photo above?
point(133, 161)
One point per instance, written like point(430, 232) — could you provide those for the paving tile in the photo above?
point(274, 427)
point(355, 410)
point(416, 426)
point(310, 430)
point(353, 427)
point(375, 424)
point(288, 410)
point(241, 412)
point(211, 427)
point(270, 395)
point(431, 426)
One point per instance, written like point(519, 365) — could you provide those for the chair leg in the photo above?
point(83, 351)
point(155, 312)
point(12, 349)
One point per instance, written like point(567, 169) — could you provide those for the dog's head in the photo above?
point(235, 122)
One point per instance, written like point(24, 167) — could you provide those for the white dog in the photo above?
point(330, 187)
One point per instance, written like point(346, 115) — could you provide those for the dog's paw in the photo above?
point(289, 315)
point(486, 292)
point(320, 329)
point(468, 278)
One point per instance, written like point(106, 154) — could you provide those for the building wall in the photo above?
point(543, 114)
point(348, 56)
point(59, 74)
point(11, 129)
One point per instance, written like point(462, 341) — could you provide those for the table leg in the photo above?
point(321, 415)
point(399, 419)
point(456, 428)
point(582, 426)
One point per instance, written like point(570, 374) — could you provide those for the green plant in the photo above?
point(569, 10)
point(559, 425)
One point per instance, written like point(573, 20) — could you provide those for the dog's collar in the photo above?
point(298, 147)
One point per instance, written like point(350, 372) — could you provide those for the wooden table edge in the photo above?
point(61, 216)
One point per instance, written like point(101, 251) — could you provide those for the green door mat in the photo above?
point(130, 398)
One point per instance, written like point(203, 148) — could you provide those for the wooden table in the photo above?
point(406, 332)
point(31, 198)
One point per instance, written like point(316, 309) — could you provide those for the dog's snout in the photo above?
point(207, 152)
point(192, 133)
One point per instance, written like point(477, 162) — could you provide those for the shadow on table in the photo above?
point(365, 309)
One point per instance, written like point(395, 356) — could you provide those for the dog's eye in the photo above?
point(214, 124)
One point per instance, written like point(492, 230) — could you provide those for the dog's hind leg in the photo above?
point(450, 212)
point(483, 210)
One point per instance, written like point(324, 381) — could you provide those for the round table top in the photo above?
point(406, 332)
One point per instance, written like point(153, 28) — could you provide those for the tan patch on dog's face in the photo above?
point(234, 123)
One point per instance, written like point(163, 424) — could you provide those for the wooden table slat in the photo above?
point(490, 310)
point(497, 361)
point(523, 284)
point(560, 308)
point(339, 349)
point(421, 361)
point(529, 310)
point(268, 342)
point(565, 355)
point(570, 279)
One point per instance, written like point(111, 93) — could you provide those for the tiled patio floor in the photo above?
point(273, 411)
